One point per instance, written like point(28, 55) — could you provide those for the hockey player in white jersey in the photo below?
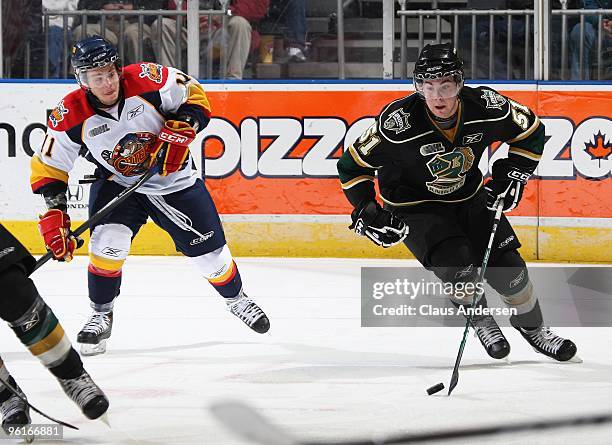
point(122, 118)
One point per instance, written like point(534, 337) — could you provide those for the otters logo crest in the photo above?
point(132, 155)
point(57, 115)
point(153, 71)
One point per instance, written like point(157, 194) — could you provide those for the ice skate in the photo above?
point(546, 342)
point(14, 411)
point(249, 312)
point(491, 336)
point(83, 391)
point(95, 333)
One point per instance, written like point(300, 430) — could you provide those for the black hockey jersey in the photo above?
point(13, 252)
point(416, 161)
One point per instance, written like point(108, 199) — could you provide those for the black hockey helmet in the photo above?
point(92, 52)
point(437, 61)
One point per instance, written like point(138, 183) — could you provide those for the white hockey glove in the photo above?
point(378, 225)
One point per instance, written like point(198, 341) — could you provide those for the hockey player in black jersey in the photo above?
point(425, 149)
point(39, 330)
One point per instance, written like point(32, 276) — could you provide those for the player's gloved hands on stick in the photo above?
point(54, 226)
point(507, 181)
point(175, 137)
point(378, 224)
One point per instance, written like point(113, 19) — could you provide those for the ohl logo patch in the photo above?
point(152, 71)
point(131, 156)
point(58, 113)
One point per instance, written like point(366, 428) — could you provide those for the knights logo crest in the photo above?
point(493, 99)
point(132, 155)
point(397, 121)
point(449, 170)
point(58, 113)
point(152, 71)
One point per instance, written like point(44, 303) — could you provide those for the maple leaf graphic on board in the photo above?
point(598, 149)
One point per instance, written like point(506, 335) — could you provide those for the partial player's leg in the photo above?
point(509, 276)
point(13, 410)
point(191, 219)
point(109, 246)
point(440, 246)
point(38, 329)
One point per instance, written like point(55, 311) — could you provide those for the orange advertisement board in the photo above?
point(274, 152)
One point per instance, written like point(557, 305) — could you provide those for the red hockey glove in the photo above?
point(54, 226)
point(174, 138)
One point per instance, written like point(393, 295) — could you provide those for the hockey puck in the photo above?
point(434, 389)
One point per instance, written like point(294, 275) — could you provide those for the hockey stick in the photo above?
point(23, 399)
point(112, 204)
point(498, 213)
point(249, 424)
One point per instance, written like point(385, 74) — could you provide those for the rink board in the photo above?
point(270, 155)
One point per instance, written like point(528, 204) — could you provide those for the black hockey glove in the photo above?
point(378, 224)
point(507, 181)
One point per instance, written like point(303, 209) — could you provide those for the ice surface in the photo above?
point(175, 349)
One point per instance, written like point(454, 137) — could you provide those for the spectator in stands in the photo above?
point(500, 38)
point(589, 44)
point(56, 33)
point(295, 36)
point(241, 37)
point(131, 38)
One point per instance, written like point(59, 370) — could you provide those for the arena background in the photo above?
point(269, 160)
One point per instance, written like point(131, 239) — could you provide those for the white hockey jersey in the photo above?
point(121, 143)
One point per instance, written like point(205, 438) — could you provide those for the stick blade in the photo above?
point(246, 422)
point(453, 382)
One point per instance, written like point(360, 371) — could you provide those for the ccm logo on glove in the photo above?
point(173, 137)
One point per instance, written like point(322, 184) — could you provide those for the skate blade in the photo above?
point(90, 350)
point(104, 419)
point(575, 359)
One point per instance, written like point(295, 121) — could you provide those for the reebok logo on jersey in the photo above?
point(201, 239)
point(96, 131)
point(135, 112)
point(493, 99)
point(397, 121)
point(111, 251)
point(432, 149)
point(5, 252)
point(31, 322)
point(518, 279)
point(472, 138)
point(219, 272)
point(505, 242)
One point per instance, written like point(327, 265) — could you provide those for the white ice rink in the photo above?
point(175, 349)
